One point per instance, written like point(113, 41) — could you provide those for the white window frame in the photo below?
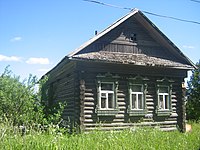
point(164, 100)
point(107, 78)
point(163, 111)
point(107, 92)
point(136, 93)
point(141, 81)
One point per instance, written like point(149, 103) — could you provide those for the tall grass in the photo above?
point(140, 139)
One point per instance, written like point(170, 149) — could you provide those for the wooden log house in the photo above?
point(126, 76)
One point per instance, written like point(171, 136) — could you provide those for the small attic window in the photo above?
point(133, 37)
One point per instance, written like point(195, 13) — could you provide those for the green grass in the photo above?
point(141, 139)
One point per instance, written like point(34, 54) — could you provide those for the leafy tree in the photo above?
point(18, 100)
point(21, 104)
point(193, 104)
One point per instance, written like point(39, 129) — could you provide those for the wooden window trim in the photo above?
point(164, 83)
point(108, 78)
point(106, 92)
point(131, 93)
point(137, 81)
point(163, 94)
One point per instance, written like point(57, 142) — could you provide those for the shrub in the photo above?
point(21, 104)
point(18, 101)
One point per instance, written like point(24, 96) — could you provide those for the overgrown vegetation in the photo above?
point(139, 139)
point(193, 103)
point(20, 104)
point(29, 121)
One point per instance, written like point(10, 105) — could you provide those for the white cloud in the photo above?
point(188, 46)
point(9, 58)
point(17, 38)
point(34, 60)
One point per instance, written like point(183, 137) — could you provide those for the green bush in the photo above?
point(21, 104)
point(52, 111)
point(18, 100)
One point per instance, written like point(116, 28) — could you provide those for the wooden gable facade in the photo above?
point(128, 75)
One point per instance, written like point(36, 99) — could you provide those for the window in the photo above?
point(163, 97)
point(133, 37)
point(164, 91)
point(137, 96)
point(106, 100)
point(107, 87)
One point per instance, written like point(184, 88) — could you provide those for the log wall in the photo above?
point(76, 84)
point(122, 120)
point(64, 81)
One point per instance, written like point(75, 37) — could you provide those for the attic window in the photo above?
point(133, 37)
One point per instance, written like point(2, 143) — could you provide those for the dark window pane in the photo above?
point(140, 101)
point(161, 102)
point(103, 102)
point(136, 88)
point(166, 102)
point(110, 101)
point(134, 101)
point(103, 95)
point(107, 86)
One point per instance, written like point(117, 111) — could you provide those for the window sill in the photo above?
point(107, 112)
point(161, 112)
point(133, 112)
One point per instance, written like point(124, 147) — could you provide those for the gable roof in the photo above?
point(142, 59)
point(114, 25)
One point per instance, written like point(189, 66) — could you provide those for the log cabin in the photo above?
point(129, 75)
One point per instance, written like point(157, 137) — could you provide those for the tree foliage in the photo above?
point(21, 103)
point(193, 104)
point(18, 102)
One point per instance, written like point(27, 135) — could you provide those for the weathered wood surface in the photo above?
point(77, 87)
point(97, 67)
point(122, 119)
point(146, 49)
point(65, 82)
point(119, 40)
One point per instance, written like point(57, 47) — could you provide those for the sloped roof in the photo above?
point(136, 59)
point(114, 25)
point(139, 59)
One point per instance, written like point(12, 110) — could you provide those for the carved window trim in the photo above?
point(107, 79)
point(138, 80)
point(164, 110)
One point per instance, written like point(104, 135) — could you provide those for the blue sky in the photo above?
point(36, 34)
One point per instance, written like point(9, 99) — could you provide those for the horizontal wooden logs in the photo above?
point(121, 119)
